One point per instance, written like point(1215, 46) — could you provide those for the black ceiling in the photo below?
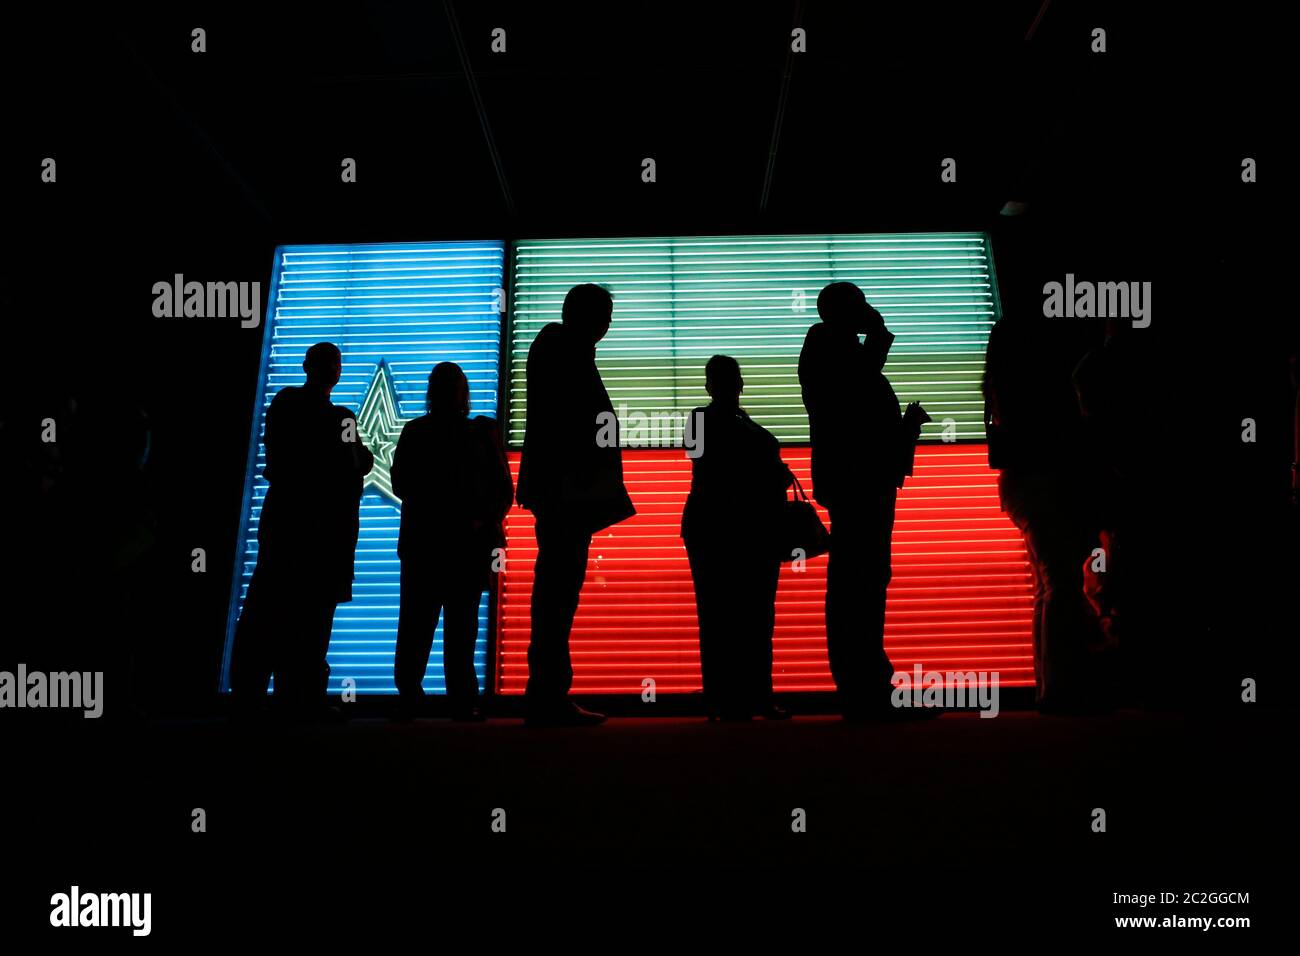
point(258, 125)
point(174, 161)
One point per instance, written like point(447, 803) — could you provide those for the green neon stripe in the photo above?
point(678, 301)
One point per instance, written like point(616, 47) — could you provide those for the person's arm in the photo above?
point(777, 475)
point(822, 373)
point(292, 456)
point(1295, 423)
point(400, 472)
point(878, 340)
point(365, 458)
point(913, 419)
point(359, 457)
point(501, 487)
point(702, 469)
point(556, 411)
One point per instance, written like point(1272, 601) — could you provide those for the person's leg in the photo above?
point(280, 618)
point(459, 636)
point(733, 632)
point(417, 618)
point(303, 628)
point(702, 579)
point(767, 574)
point(250, 654)
point(857, 582)
point(1060, 545)
point(1019, 497)
point(557, 584)
point(880, 571)
point(844, 571)
point(1040, 607)
point(316, 651)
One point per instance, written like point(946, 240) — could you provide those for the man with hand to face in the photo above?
point(863, 448)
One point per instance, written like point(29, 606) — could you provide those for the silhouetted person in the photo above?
point(1141, 524)
point(307, 539)
point(862, 449)
point(81, 523)
point(734, 507)
point(1114, 446)
point(1293, 367)
point(455, 487)
point(1047, 487)
point(571, 479)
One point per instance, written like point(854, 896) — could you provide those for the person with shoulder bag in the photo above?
point(732, 526)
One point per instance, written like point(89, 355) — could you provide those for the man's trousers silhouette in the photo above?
point(857, 580)
point(557, 582)
point(284, 629)
point(735, 599)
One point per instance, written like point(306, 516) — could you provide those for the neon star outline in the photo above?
point(380, 424)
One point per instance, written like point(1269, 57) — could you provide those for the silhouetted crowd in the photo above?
point(1111, 521)
point(1076, 476)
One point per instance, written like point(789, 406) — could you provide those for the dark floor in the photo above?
point(956, 810)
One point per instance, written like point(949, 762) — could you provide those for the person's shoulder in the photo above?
point(552, 332)
point(817, 337)
point(756, 429)
point(767, 435)
point(417, 425)
point(481, 429)
point(288, 403)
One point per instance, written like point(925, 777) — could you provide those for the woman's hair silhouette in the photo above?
point(448, 390)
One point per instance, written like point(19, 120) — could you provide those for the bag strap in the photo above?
point(799, 493)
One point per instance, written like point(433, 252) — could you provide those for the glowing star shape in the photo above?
point(380, 425)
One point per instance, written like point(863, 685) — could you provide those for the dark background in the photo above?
point(174, 162)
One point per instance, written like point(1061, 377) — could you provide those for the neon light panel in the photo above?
point(678, 301)
point(394, 310)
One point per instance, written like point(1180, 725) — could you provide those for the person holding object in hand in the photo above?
point(863, 448)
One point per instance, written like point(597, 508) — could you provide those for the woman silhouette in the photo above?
point(455, 487)
point(738, 486)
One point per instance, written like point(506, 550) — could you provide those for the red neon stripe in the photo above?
point(961, 596)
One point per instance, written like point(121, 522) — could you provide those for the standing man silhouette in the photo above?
point(862, 449)
point(571, 479)
point(1057, 473)
point(307, 540)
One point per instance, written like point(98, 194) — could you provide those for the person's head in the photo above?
point(323, 365)
point(448, 390)
point(722, 380)
point(588, 309)
point(843, 304)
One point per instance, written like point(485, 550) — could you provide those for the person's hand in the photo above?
point(916, 415)
point(871, 322)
